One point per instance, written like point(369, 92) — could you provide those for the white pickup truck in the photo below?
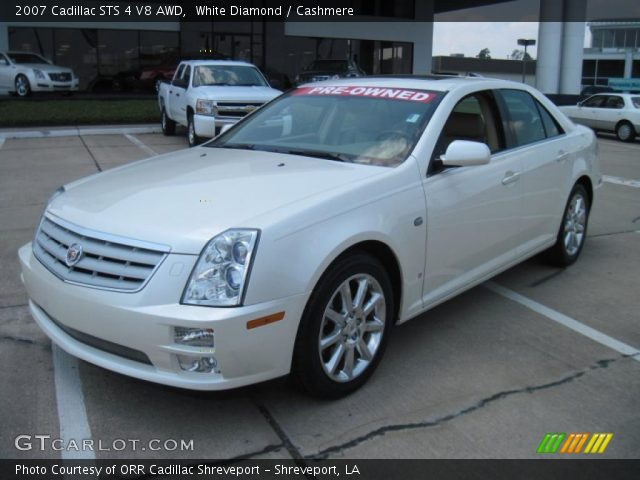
point(205, 95)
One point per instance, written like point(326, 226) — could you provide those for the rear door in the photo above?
point(473, 213)
point(540, 144)
point(610, 113)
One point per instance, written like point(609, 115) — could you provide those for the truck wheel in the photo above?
point(168, 125)
point(22, 86)
point(191, 132)
point(345, 327)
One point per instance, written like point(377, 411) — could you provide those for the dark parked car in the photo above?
point(320, 70)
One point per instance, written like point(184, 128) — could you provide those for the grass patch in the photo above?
point(26, 113)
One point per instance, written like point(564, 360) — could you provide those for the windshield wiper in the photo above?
point(238, 146)
point(338, 157)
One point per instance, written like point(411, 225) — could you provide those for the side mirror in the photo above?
point(580, 104)
point(463, 153)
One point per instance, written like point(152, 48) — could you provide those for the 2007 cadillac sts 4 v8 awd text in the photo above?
point(296, 240)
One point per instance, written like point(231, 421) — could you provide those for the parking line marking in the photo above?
point(72, 413)
point(562, 319)
point(138, 143)
point(627, 182)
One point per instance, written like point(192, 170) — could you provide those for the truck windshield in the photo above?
point(370, 125)
point(237, 75)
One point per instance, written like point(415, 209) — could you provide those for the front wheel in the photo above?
point(191, 132)
point(168, 125)
point(22, 86)
point(625, 132)
point(345, 328)
point(573, 230)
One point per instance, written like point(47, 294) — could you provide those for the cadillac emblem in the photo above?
point(74, 254)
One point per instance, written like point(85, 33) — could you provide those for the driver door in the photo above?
point(473, 212)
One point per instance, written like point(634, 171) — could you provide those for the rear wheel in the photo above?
point(625, 132)
point(168, 125)
point(345, 328)
point(22, 86)
point(573, 230)
point(191, 132)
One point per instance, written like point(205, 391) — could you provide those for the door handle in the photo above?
point(177, 94)
point(510, 177)
point(562, 156)
point(170, 91)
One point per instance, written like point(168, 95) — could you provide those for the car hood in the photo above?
point(228, 93)
point(45, 67)
point(184, 198)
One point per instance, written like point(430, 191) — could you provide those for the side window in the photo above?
point(523, 120)
point(594, 102)
point(186, 75)
point(475, 118)
point(178, 73)
point(613, 101)
point(551, 126)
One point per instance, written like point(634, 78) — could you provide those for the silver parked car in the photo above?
point(22, 73)
point(609, 112)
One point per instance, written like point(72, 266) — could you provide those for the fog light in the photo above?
point(194, 337)
point(198, 364)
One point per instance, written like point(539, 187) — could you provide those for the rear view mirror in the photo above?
point(463, 153)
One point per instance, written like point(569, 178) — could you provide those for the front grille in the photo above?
point(104, 263)
point(235, 109)
point(60, 77)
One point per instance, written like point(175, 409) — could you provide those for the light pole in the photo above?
point(525, 42)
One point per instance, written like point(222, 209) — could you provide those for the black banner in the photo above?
point(312, 10)
point(542, 469)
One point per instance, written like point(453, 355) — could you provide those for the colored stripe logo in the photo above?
point(574, 443)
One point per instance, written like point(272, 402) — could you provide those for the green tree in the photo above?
point(485, 54)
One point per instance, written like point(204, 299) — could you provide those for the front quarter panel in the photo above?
point(294, 253)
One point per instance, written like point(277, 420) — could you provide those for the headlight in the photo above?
point(206, 107)
point(38, 73)
point(221, 272)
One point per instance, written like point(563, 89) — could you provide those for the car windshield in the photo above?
point(370, 125)
point(635, 101)
point(330, 65)
point(26, 58)
point(237, 75)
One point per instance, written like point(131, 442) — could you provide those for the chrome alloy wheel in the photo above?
point(22, 85)
point(624, 132)
point(352, 328)
point(575, 222)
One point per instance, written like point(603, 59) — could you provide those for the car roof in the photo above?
point(440, 83)
point(217, 62)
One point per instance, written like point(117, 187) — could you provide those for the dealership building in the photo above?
point(396, 38)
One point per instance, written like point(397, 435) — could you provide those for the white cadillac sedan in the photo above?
point(295, 241)
point(618, 113)
point(23, 73)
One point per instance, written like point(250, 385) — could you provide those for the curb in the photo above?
point(77, 131)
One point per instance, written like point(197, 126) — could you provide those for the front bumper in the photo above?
point(143, 322)
point(209, 127)
point(46, 85)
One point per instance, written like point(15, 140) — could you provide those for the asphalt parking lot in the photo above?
point(484, 375)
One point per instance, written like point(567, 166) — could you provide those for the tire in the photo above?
point(330, 339)
point(168, 125)
point(22, 86)
point(191, 132)
point(625, 132)
point(573, 229)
